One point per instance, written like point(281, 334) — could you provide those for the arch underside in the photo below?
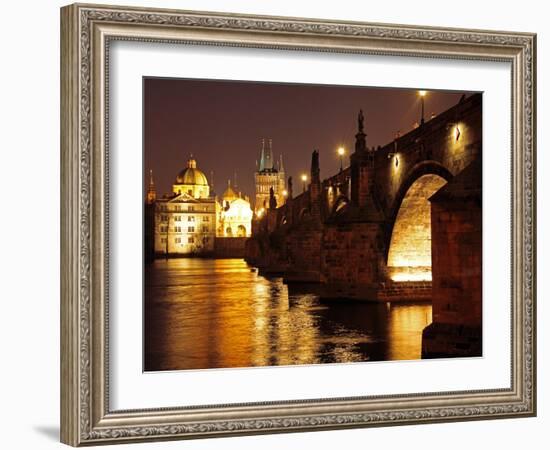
point(410, 252)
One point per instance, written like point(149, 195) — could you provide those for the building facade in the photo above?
point(269, 177)
point(235, 218)
point(185, 221)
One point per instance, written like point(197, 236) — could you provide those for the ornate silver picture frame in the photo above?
point(87, 32)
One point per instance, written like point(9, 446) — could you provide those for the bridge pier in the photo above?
point(456, 329)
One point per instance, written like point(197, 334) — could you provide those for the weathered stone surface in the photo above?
point(339, 231)
point(456, 267)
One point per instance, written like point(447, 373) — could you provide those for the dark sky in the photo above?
point(222, 123)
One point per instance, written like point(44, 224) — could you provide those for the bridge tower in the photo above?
point(267, 177)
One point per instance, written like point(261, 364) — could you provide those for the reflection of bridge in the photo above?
point(370, 233)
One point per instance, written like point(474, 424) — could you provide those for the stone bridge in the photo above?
point(377, 230)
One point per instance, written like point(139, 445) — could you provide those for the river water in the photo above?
point(215, 313)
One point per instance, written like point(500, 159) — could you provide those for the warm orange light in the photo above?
point(341, 151)
point(419, 276)
point(304, 177)
point(457, 133)
point(422, 93)
point(285, 193)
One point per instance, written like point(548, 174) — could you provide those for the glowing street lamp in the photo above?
point(341, 153)
point(422, 94)
point(304, 180)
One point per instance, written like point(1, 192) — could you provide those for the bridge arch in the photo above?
point(408, 242)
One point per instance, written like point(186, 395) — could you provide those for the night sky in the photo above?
point(222, 123)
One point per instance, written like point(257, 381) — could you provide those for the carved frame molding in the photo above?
point(86, 31)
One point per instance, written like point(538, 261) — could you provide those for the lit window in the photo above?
point(178, 208)
point(190, 240)
point(206, 219)
point(178, 240)
point(191, 208)
point(163, 218)
point(177, 218)
point(191, 229)
point(163, 229)
point(163, 240)
point(190, 218)
point(205, 229)
point(177, 229)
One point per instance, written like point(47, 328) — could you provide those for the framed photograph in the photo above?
point(275, 224)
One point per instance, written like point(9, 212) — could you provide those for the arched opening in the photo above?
point(229, 231)
point(241, 231)
point(410, 251)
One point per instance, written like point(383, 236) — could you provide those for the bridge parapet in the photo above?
point(339, 230)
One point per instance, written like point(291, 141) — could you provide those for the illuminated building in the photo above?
point(268, 176)
point(185, 220)
point(235, 215)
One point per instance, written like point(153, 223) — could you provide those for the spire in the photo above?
point(235, 180)
point(262, 156)
point(151, 190)
point(266, 158)
point(269, 158)
point(281, 166)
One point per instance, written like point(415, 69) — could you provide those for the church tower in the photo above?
point(268, 177)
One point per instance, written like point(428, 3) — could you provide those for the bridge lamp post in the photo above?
point(422, 94)
point(304, 180)
point(341, 153)
point(285, 195)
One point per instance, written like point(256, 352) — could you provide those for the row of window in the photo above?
point(178, 229)
point(164, 218)
point(190, 208)
point(266, 189)
point(190, 240)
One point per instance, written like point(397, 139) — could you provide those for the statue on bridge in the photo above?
point(360, 141)
point(289, 188)
point(360, 121)
point(272, 199)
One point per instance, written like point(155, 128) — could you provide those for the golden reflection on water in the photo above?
point(214, 313)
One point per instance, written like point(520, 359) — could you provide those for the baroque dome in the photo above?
point(192, 175)
point(229, 193)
